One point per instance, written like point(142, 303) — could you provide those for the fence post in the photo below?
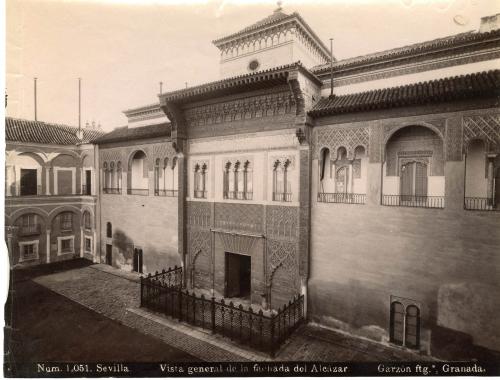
point(141, 291)
point(179, 292)
point(272, 336)
point(213, 314)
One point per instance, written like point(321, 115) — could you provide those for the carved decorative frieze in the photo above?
point(281, 254)
point(242, 143)
point(241, 244)
point(152, 151)
point(239, 217)
point(282, 159)
point(115, 154)
point(334, 138)
point(200, 164)
point(483, 127)
point(163, 151)
point(437, 125)
point(282, 222)
point(280, 103)
point(199, 243)
point(272, 36)
point(198, 215)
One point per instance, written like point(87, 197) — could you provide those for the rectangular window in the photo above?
point(28, 250)
point(29, 185)
point(88, 245)
point(66, 245)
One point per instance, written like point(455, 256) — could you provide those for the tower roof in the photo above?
point(278, 17)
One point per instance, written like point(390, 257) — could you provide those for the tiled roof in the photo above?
point(276, 17)
point(460, 87)
point(30, 131)
point(245, 82)
point(409, 50)
point(137, 133)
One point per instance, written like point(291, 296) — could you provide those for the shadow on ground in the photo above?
point(43, 326)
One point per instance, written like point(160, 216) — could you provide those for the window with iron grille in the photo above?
point(405, 323)
point(66, 221)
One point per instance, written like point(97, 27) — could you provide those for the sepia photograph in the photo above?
point(252, 188)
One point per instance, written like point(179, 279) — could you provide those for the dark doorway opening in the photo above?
point(109, 254)
point(238, 275)
point(88, 182)
point(28, 182)
point(137, 267)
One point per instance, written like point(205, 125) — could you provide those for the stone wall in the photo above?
point(146, 222)
point(443, 259)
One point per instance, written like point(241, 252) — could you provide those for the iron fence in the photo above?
point(413, 201)
point(240, 195)
point(262, 331)
point(359, 199)
point(282, 197)
point(138, 191)
point(481, 204)
point(166, 193)
point(200, 194)
point(111, 190)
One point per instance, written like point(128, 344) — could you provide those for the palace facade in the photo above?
point(379, 203)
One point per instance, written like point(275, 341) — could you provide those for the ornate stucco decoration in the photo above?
point(347, 137)
point(485, 128)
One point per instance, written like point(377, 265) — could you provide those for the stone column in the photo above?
point(491, 180)
point(351, 179)
point(78, 180)
point(94, 248)
point(454, 166)
point(374, 173)
point(9, 244)
point(81, 242)
point(8, 181)
point(51, 185)
point(48, 246)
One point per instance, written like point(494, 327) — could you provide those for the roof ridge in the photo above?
point(459, 37)
point(297, 64)
point(391, 96)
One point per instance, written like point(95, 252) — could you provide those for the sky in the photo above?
point(122, 49)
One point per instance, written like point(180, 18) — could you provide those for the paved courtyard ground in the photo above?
point(48, 327)
point(92, 313)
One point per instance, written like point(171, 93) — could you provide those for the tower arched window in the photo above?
point(247, 181)
point(282, 191)
point(105, 177)
point(225, 185)
point(112, 185)
point(109, 230)
point(237, 194)
point(200, 179)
